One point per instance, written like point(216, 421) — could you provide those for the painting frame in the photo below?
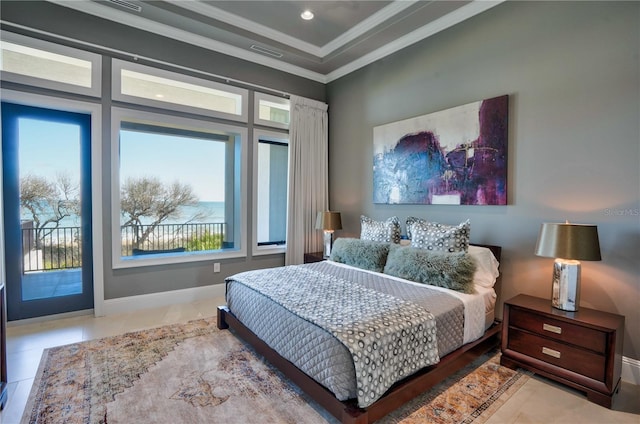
point(456, 156)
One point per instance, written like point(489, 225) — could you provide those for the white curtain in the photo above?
point(308, 176)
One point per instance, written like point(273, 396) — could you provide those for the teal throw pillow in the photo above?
point(453, 271)
point(364, 254)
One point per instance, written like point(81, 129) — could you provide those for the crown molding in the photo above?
point(472, 9)
point(368, 24)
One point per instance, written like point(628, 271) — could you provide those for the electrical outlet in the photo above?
point(216, 267)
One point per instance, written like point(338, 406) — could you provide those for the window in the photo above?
point(135, 83)
point(39, 63)
point(271, 156)
point(271, 111)
point(177, 189)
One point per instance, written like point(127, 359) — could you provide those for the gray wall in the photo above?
point(69, 23)
point(572, 73)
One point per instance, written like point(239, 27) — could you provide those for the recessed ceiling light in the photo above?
point(307, 15)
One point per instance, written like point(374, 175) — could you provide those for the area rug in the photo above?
point(195, 373)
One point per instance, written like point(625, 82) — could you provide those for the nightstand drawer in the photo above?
point(553, 352)
point(559, 330)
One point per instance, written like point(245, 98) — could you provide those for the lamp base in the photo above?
point(328, 241)
point(565, 293)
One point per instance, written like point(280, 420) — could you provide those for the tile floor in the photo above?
point(538, 401)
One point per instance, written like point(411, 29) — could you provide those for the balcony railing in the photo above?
point(61, 248)
point(48, 249)
point(171, 237)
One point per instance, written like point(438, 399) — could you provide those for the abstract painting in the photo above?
point(457, 156)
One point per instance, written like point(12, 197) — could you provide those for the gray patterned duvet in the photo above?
point(299, 337)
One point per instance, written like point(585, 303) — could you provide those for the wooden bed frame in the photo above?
point(400, 393)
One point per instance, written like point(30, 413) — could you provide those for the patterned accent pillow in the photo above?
point(388, 230)
point(412, 220)
point(439, 237)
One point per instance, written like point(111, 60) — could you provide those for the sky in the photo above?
point(197, 162)
point(47, 148)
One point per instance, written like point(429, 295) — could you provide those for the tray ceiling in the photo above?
point(343, 36)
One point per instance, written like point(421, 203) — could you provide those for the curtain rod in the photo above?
point(136, 57)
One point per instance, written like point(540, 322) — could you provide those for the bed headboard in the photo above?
point(497, 252)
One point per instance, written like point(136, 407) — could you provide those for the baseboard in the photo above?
point(46, 318)
point(631, 370)
point(156, 300)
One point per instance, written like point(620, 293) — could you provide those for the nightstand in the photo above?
point(313, 257)
point(581, 349)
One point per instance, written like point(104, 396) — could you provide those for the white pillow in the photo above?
point(487, 266)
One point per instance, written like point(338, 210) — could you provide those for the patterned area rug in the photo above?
point(195, 373)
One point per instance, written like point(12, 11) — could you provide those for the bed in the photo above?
point(436, 331)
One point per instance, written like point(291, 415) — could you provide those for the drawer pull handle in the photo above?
point(552, 328)
point(551, 352)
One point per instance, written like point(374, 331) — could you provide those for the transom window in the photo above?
point(272, 111)
point(135, 83)
point(39, 63)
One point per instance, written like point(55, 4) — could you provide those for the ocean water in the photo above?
point(203, 212)
point(209, 212)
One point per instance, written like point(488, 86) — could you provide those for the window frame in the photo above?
point(279, 137)
point(118, 115)
point(95, 59)
point(117, 66)
point(272, 99)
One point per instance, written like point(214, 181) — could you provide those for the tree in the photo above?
point(48, 202)
point(148, 197)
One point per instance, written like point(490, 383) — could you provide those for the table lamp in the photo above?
point(328, 222)
point(569, 244)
